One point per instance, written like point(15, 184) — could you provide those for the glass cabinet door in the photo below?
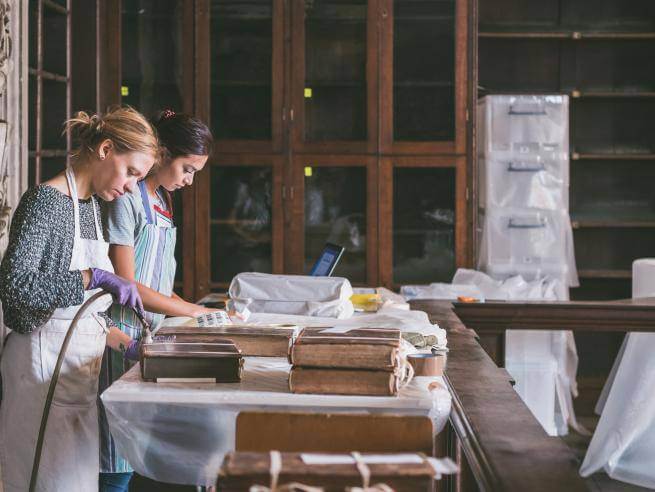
point(423, 230)
point(421, 110)
point(331, 91)
point(336, 210)
point(152, 55)
point(241, 221)
point(244, 69)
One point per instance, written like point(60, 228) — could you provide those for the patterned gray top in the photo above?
point(34, 276)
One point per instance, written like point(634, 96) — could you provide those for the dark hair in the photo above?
point(180, 134)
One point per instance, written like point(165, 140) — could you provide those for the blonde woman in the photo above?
point(56, 259)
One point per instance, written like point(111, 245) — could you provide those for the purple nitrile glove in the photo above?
point(124, 291)
point(132, 350)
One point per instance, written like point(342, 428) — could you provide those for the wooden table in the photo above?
point(490, 320)
point(492, 434)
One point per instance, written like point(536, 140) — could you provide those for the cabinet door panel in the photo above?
point(335, 212)
point(245, 73)
point(423, 224)
point(241, 236)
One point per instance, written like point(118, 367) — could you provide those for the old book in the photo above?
point(241, 470)
point(326, 381)
point(221, 361)
point(361, 348)
point(252, 340)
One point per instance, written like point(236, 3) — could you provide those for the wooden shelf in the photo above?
point(579, 156)
point(612, 224)
point(580, 94)
point(612, 274)
point(566, 35)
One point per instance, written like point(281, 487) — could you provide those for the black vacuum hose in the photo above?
point(53, 385)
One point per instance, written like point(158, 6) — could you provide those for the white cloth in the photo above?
point(70, 457)
point(624, 441)
point(291, 294)
point(179, 432)
point(543, 363)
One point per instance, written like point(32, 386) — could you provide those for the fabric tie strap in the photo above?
point(365, 473)
point(274, 472)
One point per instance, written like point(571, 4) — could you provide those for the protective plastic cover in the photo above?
point(529, 181)
point(291, 294)
point(179, 432)
point(524, 124)
point(532, 243)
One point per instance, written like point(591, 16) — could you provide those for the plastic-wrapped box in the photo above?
point(524, 124)
point(524, 237)
point(530, 181)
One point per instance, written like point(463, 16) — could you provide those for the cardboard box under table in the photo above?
point(180, 432)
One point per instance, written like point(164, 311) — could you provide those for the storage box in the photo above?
point(537, 124)
point(221, 362)
point(509, 181)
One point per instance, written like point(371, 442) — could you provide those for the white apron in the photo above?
point(70, 456)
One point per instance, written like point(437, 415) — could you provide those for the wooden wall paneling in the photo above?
point(472, 149)
point(297, 84)
point(385, 78)
point(372, 203)
point(109, 54)
point(202, 188)
point(189, 193)
point(462, 206)
point(385, 222)
point(462, 112)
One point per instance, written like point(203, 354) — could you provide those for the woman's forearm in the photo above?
point(155, 302)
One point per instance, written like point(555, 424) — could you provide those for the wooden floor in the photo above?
point(598, 482)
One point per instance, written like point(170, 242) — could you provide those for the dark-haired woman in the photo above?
point(139, 227)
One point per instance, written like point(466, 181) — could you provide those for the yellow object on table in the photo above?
point(366, 302)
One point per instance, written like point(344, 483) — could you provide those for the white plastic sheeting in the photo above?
point(624, 441)
point(527, 242)
point(524, 124)
point(291, 294)
point(393, 314)
point(543, 363)
point(179, 433)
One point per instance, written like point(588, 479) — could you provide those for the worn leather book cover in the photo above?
point(241, 470)
point(325, 381)
point(252, 340)
point(221, 361)
point(361, 348)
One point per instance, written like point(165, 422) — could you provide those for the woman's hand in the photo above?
point(124, 291)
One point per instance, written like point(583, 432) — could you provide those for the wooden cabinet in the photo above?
point(328, 116)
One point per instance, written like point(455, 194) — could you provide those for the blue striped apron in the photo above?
point(154, 266)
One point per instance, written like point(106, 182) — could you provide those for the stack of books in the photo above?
point(362, 361)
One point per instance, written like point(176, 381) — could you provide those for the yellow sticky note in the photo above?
point(308, 171)
point(308, 92)
point(125, 90)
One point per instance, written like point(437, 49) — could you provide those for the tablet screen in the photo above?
point(326, 263)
